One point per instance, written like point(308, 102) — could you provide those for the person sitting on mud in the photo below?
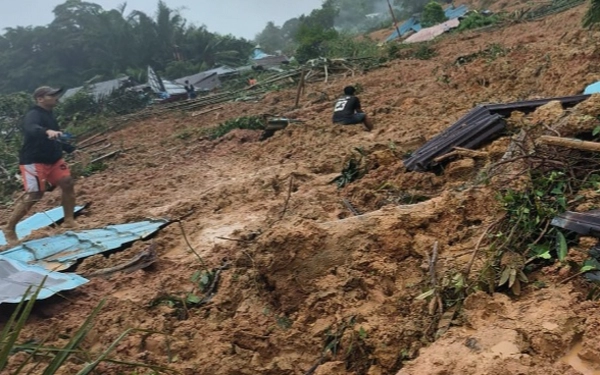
point(41, 161)
point(347, 110)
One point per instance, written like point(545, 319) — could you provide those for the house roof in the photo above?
point(99, 89)
point(271, 61)
point(202, 81)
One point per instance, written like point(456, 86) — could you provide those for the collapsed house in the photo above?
point(209, 79)
point(102, 89)
point(263, 61)
point(413, 24)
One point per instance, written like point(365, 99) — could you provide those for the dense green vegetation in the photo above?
point(85, 42)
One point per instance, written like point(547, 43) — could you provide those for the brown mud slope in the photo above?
point(310, 288)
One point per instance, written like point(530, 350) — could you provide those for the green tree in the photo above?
point(271, 38)
point(433, 14)
point(84, 41)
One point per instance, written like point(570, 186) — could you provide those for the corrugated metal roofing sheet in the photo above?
point(480, 125)
point(38, 221)
point(16, 277)
point(584, 223)
point(456, 12)
point(406, 26)
point(62, 251)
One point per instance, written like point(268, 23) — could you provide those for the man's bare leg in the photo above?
point(67, 185)
point(368, 124)
point(20, 210)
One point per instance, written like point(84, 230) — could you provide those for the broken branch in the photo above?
point(474, 255)
point(287, 199)
point(190, 246)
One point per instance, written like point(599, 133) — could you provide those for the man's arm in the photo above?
point(31, 125)
point(357, 106)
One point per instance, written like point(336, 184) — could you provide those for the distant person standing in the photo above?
point(252, 81)
point(347, 110)
point(41, 161)
point(191, 90)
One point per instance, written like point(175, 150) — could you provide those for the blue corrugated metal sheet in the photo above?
point(410, 24)
point(452, 12)
point(413, 22)
point(62, 251)
point(16, 277)
point(38, 221)
point(594, 88)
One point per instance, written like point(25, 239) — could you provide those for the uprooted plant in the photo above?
point(551, 181)
point(537, 183)
point(354, 169)
point(344, 342)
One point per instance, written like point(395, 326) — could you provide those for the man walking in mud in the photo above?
point(347, 110)
point(41, 162)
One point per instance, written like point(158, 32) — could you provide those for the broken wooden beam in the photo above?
point(570, 143)
point(462, 152)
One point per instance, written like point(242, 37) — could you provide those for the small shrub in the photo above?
point(245, 122)
point(433, 14)
point(477, 20)
point(424, 52)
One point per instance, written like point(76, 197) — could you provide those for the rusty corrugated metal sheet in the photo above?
point(480, 125)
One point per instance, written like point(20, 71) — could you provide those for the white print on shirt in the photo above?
point(340, 104)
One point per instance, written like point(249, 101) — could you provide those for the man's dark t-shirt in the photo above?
point(345, 107)
point(37, 147)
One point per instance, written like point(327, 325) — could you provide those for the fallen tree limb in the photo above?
point(570, 143)
point(140, 261)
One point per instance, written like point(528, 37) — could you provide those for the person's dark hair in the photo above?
point(349, 90)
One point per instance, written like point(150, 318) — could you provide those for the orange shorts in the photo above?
point(36, 175)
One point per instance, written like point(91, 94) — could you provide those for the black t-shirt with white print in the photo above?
point(345, 107)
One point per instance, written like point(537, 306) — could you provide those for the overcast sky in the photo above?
point(242, 18)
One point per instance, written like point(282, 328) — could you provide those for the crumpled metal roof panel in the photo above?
point(584, 223)
point(62, 251)
point(16, 277)
point(38, 221)
point(480, 125)
point(455, 12)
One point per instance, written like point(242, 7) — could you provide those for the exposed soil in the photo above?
point(304, 273)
